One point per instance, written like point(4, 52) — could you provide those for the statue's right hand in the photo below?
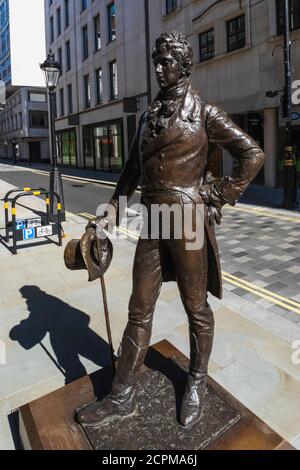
point(106, 219)
point(97, 223)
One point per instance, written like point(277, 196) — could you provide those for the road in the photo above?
point(259, 247)
point(79, 196)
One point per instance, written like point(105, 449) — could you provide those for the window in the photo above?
point(70, 99)
point(103, 146)
point(85, 43)
point(68, 56)
point(88, 149)
point(171, 5)
point(58, 17)
point(67, 14)
point(99, 86)
point(83, 5)
point(2, 14)
point(97, 33)
point(51, 29)
point(113, 69)
point(62, 103)
point(37, 97)
point(236, 33)
point(111, 12)
point(207, 45)
point(60, 60)
point(66, 147)
point(5, 41)
point(87, 91)
point(21, 120)
point(38, 119)
point(294, 15)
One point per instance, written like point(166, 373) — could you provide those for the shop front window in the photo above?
point(294, 10)
point(66, 147)
point(104, 147)
point(88, 147)
point(73, 154)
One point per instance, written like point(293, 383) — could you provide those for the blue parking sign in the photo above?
point(28, 233)
point(20, 224)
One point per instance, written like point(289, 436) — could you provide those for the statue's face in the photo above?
point(167, 69)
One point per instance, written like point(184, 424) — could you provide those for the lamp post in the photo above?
point(289, 161)
point(51, 70)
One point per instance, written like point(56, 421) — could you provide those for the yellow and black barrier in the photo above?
point(7, 199)
point(34, 228)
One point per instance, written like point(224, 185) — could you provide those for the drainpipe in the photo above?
point(148, 58)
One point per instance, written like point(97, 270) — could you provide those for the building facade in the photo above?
point(105, 51)
point(24, 131)
point(102, 89)
point(5, 60)
point(238, 59)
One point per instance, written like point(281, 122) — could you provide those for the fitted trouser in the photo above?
point(191, 274)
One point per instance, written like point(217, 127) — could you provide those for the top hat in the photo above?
point(91, 253)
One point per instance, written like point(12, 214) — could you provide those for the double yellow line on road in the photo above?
point(264, 213)
point(261, 211)
point(277, 299)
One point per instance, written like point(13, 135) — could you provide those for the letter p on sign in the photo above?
point(296, 93)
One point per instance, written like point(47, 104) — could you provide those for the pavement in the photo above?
point(52, 325)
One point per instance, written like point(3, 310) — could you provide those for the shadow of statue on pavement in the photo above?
point(68, 329)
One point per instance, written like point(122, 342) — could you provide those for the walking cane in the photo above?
point(106, 313)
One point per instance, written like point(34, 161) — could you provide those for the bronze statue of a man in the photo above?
point(170, 154)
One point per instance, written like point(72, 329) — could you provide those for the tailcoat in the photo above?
point(177, 158)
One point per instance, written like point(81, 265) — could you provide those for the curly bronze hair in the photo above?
point(177, 44)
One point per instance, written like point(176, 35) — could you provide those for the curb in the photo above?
point(79, 178)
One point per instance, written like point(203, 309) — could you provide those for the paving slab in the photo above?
point(53, 327)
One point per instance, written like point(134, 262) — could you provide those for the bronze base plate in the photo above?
point(48, 423)
point(154, 426)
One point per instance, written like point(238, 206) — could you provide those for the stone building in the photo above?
point(104, 48)
point(101, 47)
point(24, 131)
point(233, 43)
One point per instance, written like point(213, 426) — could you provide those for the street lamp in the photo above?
point(52, 70)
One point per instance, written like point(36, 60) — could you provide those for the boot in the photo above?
point(193, 399)
point(99, 412)
point(121, 400)
point(192, 402)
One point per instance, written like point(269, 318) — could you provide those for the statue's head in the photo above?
point(173, 58)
